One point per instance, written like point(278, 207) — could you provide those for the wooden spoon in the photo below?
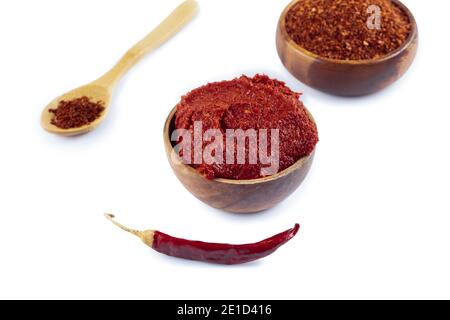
point(101, 89)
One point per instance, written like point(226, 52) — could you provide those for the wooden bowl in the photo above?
point(239, 196)
point(342, 77)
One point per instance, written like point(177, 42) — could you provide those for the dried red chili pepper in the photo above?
point(219, 253)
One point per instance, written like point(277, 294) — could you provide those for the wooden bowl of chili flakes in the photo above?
point(347, 47)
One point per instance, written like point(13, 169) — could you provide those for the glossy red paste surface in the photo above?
point(250, 103)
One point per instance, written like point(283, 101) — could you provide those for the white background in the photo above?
point(374, 209)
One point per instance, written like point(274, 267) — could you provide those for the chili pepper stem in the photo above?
point(146, 236)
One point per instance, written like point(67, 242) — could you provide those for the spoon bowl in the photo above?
point(94, 92)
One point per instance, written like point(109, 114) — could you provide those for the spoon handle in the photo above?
point(181, 16)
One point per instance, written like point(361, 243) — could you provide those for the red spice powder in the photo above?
point(249, 103)
point(338, 29)
point(76, 113)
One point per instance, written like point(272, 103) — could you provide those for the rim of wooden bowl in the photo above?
point(297, 165)
point(411, 37)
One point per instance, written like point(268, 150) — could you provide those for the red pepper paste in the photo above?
point(76, 113)
point(249, 103)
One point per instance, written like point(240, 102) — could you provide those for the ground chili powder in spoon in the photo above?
point(76, 113)
point(338, 29)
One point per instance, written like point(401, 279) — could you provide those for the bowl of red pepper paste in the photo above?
point(347, 47)
point(277, 143)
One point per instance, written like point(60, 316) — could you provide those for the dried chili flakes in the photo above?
point(76, 113)
point(339, 29)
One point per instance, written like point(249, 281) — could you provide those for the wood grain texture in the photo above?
point(341, 77)
point(239, 196)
